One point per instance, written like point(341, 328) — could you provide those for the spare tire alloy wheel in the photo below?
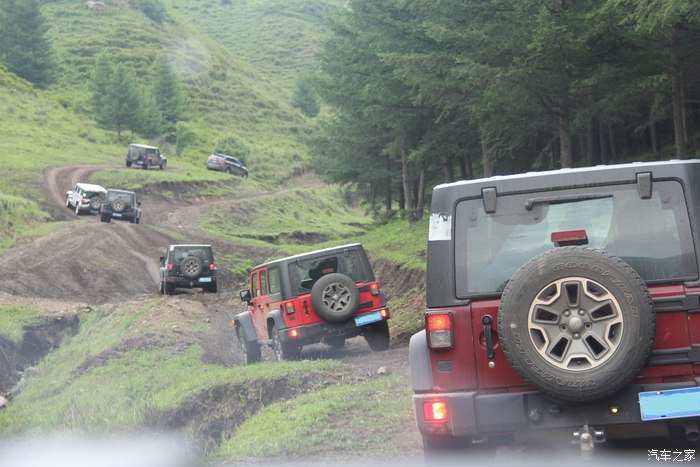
point(118, 205)
point(95, 202)
point(335, 297)
point(191, 267)
point(576, 323)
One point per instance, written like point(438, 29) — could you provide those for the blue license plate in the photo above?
point(116, 214)
point(672, 403)
point(372, 317)
point(205, 279)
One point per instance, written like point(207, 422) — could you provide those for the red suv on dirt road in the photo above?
point(562, 301)
point(322, 296)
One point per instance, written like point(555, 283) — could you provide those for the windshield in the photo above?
point(652, 235)
point(126, 197)
point(303, 274)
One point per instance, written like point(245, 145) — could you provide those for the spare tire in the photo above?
point(118, 205)
point(335, 297)
point(576, 323)
point(95, 202)
point(191, 267)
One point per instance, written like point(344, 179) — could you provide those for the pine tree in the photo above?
point(24, 49)
point(167, 93)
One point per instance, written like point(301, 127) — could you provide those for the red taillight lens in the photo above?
point(211, 266)
point(384, 313)
point(435, 411)
point(171, 267)
point(289, 307)
point(439, 329)
point(374, 288)
point(293, 333)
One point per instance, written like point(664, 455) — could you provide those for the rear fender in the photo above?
point(419, 361)
point(275, 317)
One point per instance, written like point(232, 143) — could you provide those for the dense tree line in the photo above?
point(420, 92)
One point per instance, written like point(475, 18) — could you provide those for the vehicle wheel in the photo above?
point(163, 165)
point(335, 297)
point(168, 289)
point(228, 170)
point(145, 165)
point(377, 336)
point(118, 205)
point(95, 202)
point(284, 350)
point(161, 289)
point(191, 267)
point(128, 163)
point(211, 288)
point(250, 350)
point(137, 220)
point(576, 323)
point(77, 209)
point(104, 218)
point(68, 202)
point(335, 342)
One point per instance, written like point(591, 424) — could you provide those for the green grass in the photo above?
point(400, 242)
point(291, 220)
point(310, 424)
point(14, 318)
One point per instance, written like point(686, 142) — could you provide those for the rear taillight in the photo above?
point(384, 313)
point(374, 288)
point(211, 266)
point(439, 329)
point(289, 307)
point(171, 267)
point(435, 411)
point(293, 333)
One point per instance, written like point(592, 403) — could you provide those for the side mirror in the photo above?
point(245, 296)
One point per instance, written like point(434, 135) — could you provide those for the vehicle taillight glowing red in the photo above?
point(439, 329)
point(211, 266)
point(171, 266)
point(384, 313)
point(289, 307)
point(435, 411)
point(374, 288)
point(293, 333)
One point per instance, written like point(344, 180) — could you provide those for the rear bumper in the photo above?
point(184, 283)
point(479, 415)
point(310, 334)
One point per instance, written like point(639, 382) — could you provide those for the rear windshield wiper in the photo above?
point(530, 203)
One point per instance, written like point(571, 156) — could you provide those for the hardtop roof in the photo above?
point(91, 187)
point(309, 254)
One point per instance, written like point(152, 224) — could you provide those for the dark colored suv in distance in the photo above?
point(562, 301)
point(145, 157)
point(122, 205)
point(322, 296)
point(188, 267)
point(228, 164)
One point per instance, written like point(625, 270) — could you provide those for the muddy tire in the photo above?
point(249, 350)
point(162, 165)
point(77, 210)
point(335, 297)
point(105, 218)
point(128, 163)
point(576, 323)
point(161, 288)
point(211, 288)
point(191, 267)
point(68, 202)
point(284, 350)
point(377, 336)
point(168, 289)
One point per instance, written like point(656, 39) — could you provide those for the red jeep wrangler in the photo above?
point(327, 295)
point(562, 301)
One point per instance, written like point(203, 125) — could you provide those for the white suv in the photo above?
point(85, 198)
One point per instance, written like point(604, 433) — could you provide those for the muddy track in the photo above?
point(91, 262)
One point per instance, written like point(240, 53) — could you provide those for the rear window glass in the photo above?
point(303, 274)
point(204, 254)
point(126, 197)
point(652, 235)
